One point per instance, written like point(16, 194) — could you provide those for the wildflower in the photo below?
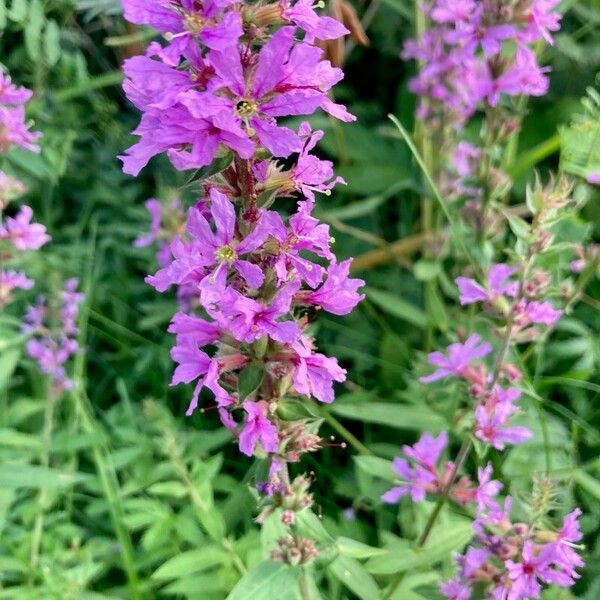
point(52, 328)
point(314, 373)
point(194, 364)
point(12, 280)
point(22, 233)
point(497, 286)
point(491, 427)
point(338, 295)
point(258, 429)
point(421, 477)
point(459, 358)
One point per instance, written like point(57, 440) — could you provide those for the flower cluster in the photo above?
point(17, 233)
point(224, 79)
point(475, 56)
point(511, 560)
point(53, 330)
point(466, 59)
point(249, 279)
point(14, 129)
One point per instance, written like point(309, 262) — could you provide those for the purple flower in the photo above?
point(487, 489)
point(22, 233)
point(201, 331)
point(564, 547)
point(290, 79)
point(338, 295)
point(151, 84)
point(14, 130)
point(11, 94)
point(12, 280)
point(258, 429)
point(190, 142)
point(491, 427)
point(497, 285)
point(524, 575)
point(453, 11)
point(304, 233)
point(254, 320)
point(303, 15)
point(594, 178)
point(213, 254)
point(311, 174)
point(459, 358)
point(420, 477)
point(525, 76)
point(538, 312)
point(541, 21)
point(52, 345)
point(315, 373)
point(184, 21)
point(455, 590)
point(194, 364)
point(154, 207)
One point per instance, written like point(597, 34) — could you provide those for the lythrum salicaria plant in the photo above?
point(248, 277)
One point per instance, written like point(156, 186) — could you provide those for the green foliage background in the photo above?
point(140, 502)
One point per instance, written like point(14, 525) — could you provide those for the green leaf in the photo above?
point(216, 166)
point(18, 11)
point(267, 581)
point(3, 14)
point(435, 306)
point(399, 416)
point(16, 439)
point(52, 42)
point(427, 270)
point(33, 29)
point(355, 577)
point(397, 307)
point(355, 549)
point(213, 522)
point(32, 476)
point(250, 378)
point(519, 226)
point(8, 363)
point(444, 540)
point(191, 561)
point(376, 467)
point(310, 526)
point(587, 482)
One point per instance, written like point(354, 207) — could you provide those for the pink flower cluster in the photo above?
point(466, 58)
point(521, 307)
point(251, 278)
point(510, 560)
point(530, 310)
point(17, 234)
point(494, 404)
point(14, 130)
point(224, 79)
point(53, 331)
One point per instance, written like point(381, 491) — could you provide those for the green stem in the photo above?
point(182, 471)
point(38, 527)
point(109, 482)
point(457, 236)
point(304, 585)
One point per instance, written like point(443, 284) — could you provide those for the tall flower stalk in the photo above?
point(477, 59)
point(519, 303)
point(250, 279)
point(18, 233)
